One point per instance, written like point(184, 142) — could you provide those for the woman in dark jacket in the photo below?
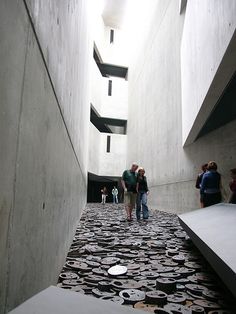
point(210, 185)
point(142, 192)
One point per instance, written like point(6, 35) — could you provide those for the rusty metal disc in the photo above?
point(177, 297)
point(110, 261)
point(104, 285)
point(195, 289)
point(157, 297)
point(126, 284)
point(167, 285)
point(150, 275)
point(177, 308)
point(207, 305)
point(68, 275)
point(196, 309)
point(132, 296)
point(145, 306)
point(98, 293)
point(78, 266)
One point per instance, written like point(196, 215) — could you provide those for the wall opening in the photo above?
point(96, 183)
point(110, 88)
point(112, 36)
point(108, 143)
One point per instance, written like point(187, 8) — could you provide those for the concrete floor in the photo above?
point(162, 262)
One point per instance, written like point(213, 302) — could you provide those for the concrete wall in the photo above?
point(206, 65)
point(44, 121)
point(102, 163)
point(155, 116)
point(94, 150)
point(96, 88)
point(116, 52)
point(113, 163)
point(116, 105)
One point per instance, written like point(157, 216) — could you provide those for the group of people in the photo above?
point(114, 193)
point(209, 184)
point(134, 184)
point(135, 191)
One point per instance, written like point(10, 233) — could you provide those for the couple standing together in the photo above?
point(135, 191)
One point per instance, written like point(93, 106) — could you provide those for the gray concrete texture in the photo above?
point(43, 171)
point(64, 33)
point(155, 118)
point(212, 230)
point(208, 60)
point(55, 300)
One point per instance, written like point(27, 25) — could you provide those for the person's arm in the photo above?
point(123, 185)
point(203, 184)
point(137, 186)
point(147, 185)
point(198, 182)
point(123, 182)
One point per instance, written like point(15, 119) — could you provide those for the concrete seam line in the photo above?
point(53, 88)
point(10, 220)
point(168, 183)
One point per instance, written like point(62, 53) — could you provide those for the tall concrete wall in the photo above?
point(155, 116)
point(44, 119)
point(208, 60)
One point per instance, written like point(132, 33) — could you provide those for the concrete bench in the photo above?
point(213, 231)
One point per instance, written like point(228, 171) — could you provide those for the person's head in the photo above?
point(204, 167)
point(211, 165)
point(114, 187)
point(134, 167)
point(233, 173)
point(141, 171)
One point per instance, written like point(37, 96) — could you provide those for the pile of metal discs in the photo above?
point(160, 270)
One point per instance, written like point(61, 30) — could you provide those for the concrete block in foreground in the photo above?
point(213, 231)
point(55, 300)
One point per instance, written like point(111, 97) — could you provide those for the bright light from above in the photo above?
point(136, 23)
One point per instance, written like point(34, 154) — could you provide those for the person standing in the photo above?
point(104, 195)
point(232, 186)
point(210, 185)
point(128, 182)
point(199, 181)
point(142, 192)
point(114, 193)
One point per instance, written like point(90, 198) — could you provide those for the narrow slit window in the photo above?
point(111, 36)
point(108, 143)
point(109, 87)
